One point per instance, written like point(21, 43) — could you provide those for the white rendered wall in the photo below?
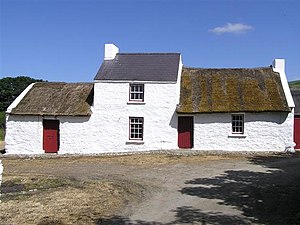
point(112, 111)
point(77, 135)
point(107, 130)
point(24, 134)
point(263, 132)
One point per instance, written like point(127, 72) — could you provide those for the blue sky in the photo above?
point(63, 40)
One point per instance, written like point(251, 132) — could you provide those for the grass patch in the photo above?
point(18, 187)
point(1, 134)
point(2, 125)
point(294, 84)
point(61, 200)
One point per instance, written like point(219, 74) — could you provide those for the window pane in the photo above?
point(237, 123)
point(137, 92)
point(136, 128)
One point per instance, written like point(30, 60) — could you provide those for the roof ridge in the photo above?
point(229, 68)
point(62, 82)
point(150, 53)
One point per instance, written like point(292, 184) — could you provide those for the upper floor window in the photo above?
point(237, 124)
point(136, 92)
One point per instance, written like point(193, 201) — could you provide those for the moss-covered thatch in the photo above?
point(296, 97)
point(65, 99)
point(231, 90)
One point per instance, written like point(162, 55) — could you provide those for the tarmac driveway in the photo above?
point(261, 189)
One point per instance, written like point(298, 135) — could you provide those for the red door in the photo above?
point(297, 131)
point(51, 136)
point(185, 131)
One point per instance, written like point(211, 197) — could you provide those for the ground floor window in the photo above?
point(136, 128)
point(237, 124)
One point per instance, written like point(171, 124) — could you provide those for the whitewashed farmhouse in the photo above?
point(149, 101)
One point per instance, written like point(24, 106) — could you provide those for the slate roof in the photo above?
point(140, 67)
point(296, 97)
point(231, 90)
point(57, 99)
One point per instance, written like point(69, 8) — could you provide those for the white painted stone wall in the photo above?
point(112, 111)
point(263, 132)
point(107, 130)
point(24, 134)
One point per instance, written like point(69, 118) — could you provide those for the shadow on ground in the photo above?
point(271, 197)
point(184, 215)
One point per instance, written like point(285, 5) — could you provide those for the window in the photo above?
point(136, 92)
point(136, 125)
point(237, 123)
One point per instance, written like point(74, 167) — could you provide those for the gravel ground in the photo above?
point(161, 189)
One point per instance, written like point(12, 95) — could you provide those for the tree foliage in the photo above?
point(11, 87)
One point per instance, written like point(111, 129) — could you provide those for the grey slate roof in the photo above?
point(296, 97)
point(231, 90)
point(140, 67)
point(57, 99)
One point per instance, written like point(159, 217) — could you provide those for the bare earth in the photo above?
point(153, 189)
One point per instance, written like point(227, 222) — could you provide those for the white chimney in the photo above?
point(110, 51)
point(278, 65)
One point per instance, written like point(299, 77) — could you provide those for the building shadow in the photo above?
point(271, 197)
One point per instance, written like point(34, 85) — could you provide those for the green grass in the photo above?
point(294, 84)
point(1, 134)
point(19, 188)
point(2, 122)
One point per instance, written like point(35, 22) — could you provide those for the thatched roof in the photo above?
point(64, 99)
point(231, 90)
point(296, 97)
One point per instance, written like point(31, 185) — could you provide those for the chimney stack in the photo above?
point(110, 51)
point(278, 65)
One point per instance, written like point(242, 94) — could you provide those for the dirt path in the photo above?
point(187, 190)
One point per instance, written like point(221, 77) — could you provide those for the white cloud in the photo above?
point(235, 28)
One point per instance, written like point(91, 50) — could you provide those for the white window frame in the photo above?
point(136, 128)
point(236, 127)
point(140, 90)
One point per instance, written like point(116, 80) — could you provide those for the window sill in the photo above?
point(237, 135)
point(136, 103)
point(135, 142)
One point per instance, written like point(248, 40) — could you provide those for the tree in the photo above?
point(12, 87)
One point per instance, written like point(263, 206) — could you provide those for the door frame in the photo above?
point(189, 128)
point(55, 124)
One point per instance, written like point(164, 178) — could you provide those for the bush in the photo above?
point(2, 125)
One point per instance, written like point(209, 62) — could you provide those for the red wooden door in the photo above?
point(51, 136)
point(297, 131)
point(185, 131)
